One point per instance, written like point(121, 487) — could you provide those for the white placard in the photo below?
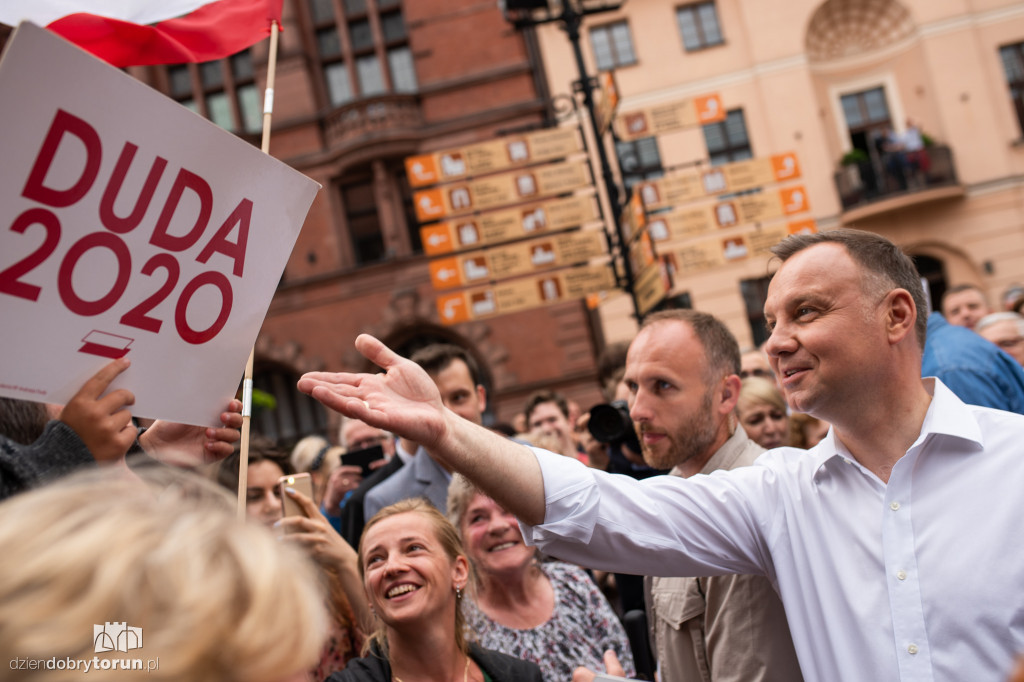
point(130, 226)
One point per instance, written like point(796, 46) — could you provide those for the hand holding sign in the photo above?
point(187, 445)
point(101, 421)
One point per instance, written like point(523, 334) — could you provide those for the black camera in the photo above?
point(610, 423)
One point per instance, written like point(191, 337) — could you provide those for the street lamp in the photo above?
point(570, 14)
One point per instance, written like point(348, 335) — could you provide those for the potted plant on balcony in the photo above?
point(851, 163)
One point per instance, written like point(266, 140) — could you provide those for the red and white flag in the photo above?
point(139, 32)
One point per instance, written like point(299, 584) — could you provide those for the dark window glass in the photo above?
point(612, 46)
point(1013, 65)
point(360, 35)
point(727, 140)
point(363, 222)
point(321, 11)
point(211, 74)
point(639, 160)
point(698, 25)
point(755, 292)
point(355, 7)
point(179, 80)
point(392, 26)
point(241, 66)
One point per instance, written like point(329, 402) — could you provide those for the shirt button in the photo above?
point(902, 575)
point(894, 505)
point(912, 649)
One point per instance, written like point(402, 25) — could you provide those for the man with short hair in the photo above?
point(681, 371)
point(963, 305)
point(754, 363)
point(457, 378)
point(344, 507)
point(547, 416)
point(1005, 330)
point(976, 371)
point(856, 533)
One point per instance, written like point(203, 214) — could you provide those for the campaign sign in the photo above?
point(130, 226)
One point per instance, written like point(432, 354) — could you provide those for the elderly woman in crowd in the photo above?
point(762, 412)
point(109, 572)
point(414, 575)
point(552, 614)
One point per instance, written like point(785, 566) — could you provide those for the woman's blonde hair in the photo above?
point(761, 391)
point(447, 536)
point(213, 598)
point(312, 448)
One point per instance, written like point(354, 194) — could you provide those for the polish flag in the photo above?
point(139, 32)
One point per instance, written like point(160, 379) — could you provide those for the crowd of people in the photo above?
point(786, 512)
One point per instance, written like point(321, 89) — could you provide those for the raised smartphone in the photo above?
point(300, 482)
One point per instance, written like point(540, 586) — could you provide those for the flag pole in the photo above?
point(268, 111)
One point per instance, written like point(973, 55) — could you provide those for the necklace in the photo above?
point(465, 673)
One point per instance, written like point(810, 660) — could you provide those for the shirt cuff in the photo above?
point(571, 501)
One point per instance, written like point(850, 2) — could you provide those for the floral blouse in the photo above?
point(582, 627)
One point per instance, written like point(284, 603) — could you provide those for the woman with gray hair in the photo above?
point(552, 613)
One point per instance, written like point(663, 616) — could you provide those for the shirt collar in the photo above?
point(947, 416)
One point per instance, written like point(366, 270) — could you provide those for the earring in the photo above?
point(458, 593)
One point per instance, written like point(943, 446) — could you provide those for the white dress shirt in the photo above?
point(920, 579)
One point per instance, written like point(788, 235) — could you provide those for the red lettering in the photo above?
point(63, 122)
point(111, 220)
point(185, 180)
point(65, 282)
point(137, 317)
point(186, 332)
point(9, 278)
point(233, 250)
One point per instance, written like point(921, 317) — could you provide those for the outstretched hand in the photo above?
point(403, 400)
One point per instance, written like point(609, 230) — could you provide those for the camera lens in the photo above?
point(610, 423)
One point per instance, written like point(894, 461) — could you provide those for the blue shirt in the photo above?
point(974, 368)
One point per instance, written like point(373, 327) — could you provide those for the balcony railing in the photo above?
point(895, 174)
point(369, 117)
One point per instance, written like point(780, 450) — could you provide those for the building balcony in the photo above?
point(372, 118)
point(896, 180)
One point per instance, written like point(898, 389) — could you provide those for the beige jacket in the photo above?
point(725, 628)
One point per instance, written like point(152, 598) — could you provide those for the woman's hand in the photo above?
point(339, 560)
point(611, 665)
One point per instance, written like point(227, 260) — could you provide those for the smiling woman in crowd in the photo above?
point(552, 614)
point(415, 574)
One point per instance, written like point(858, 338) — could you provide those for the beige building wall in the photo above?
point(787, 64)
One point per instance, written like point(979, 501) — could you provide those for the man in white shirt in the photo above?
point(894, 543)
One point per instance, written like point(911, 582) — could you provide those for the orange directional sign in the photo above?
point(608, 102)
point(500, 190)
point(705, 254)
point(633, 218)
point(517, 259)
point(486, 229)
point(692, 221)
point(651, 286)
point(491, 156)
point(738, 176)
point(521, 294)
point(684, 113)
